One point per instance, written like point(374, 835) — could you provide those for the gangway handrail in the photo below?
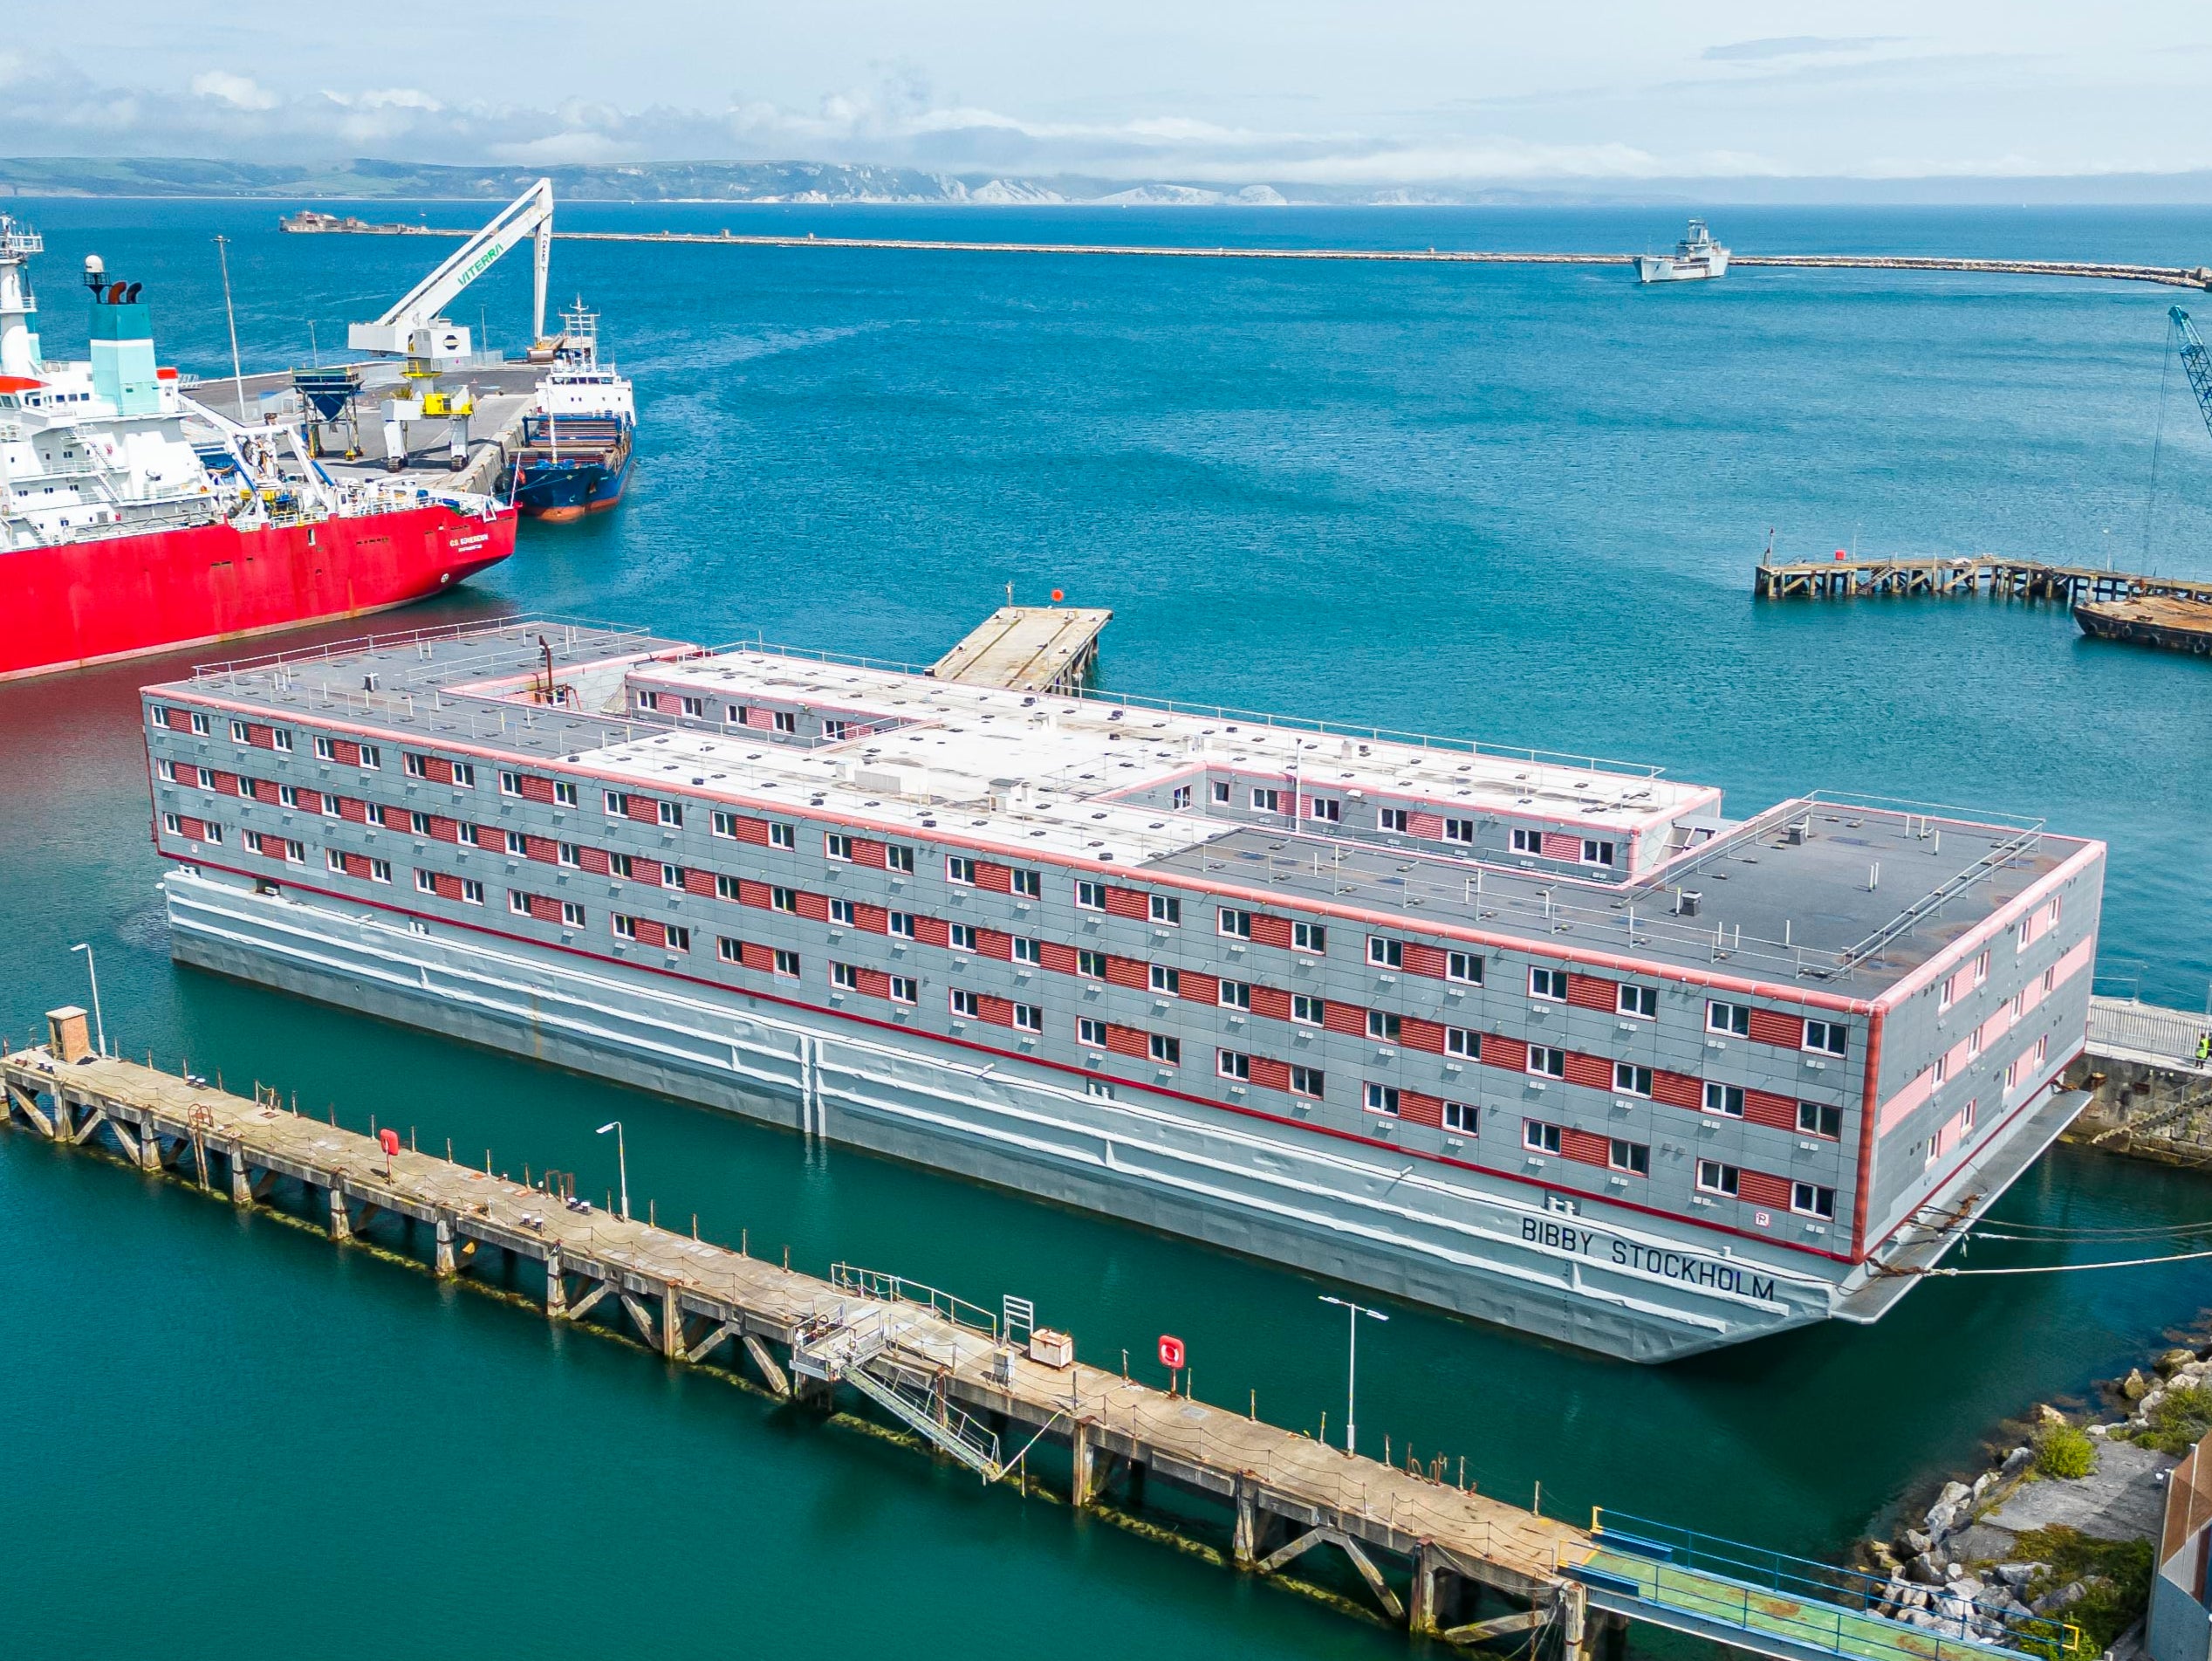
point(896, 1288)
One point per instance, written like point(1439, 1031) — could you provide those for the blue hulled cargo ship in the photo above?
point(576, 448)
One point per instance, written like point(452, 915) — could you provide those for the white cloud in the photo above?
point(237, 91)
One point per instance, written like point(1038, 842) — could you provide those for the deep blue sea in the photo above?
point(1520, 504)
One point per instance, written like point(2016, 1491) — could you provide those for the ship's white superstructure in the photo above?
point(1695, 256)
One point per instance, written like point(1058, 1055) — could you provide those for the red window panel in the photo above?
point(933, 931)
point(698, 881)
point(1418, 1034)
point(758, 717)
point(874, 983)
point(1775, 1112)
point(1273, 1002)
point(1269, 1073)
point(645, 808)
point(1416, 1109)
point(347, 753)
point(449, 887)
point(645, 871)
point(1589, 991)
point(443, 829)
point(1201, 988)
point(543, 908)
point(1128, 1040)
point(227, 783)
point(651, 933)
point(1424, 960)
point(1585, 1147)
point(543, 848)
point(358, 813)
point(537, 789)
point(1509, 1053)
point(310, 801)
point(1559, 846)
point(1127, 972)
point(871, 854)
point(259, 737)
point(1773, 1027)
point(751, 830)
point(272, 847)
point(592, 860)
point(1677, 1090)
point(1271, 931)
point(999, 1012)
point(253, 790)
point(752, 955)
point(871, 919)
point(188, 825)
point(1756, 1188)
point(815, 908)
point(1429, 825)
point(989, 943)
point(999, 879)
point(437, 769)
point(1345, 1018)
point(1595, 1071)
point(1127, 902)
point(1057, 958)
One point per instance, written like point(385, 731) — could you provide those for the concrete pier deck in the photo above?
point(1028, 648)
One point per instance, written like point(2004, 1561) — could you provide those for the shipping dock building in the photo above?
point(1546, 1040)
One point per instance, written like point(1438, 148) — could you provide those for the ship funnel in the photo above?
point(115, 292)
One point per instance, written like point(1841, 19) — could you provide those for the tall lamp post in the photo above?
point(1353, 1311)
point(100, 1027)
point(621, 1163)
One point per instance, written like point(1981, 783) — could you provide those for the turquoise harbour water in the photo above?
point(1519, 504)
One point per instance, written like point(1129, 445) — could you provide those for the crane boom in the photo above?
point(413, 327)
point(2197, 360)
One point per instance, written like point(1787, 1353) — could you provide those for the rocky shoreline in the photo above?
point(2063, 1529)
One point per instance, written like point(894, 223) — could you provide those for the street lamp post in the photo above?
point(100, 1027)
point(621, 1163)
point(1353, 1311)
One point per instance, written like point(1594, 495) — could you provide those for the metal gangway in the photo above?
point(861, 1346)
point(1792, 1609)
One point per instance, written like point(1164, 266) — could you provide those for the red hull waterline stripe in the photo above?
point(89, 602)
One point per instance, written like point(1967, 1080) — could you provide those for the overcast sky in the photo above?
point(1296, 90)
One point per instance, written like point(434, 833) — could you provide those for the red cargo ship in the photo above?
point(118, 535)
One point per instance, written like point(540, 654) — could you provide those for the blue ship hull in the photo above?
point(567, 486)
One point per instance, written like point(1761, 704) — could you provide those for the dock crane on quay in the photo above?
point(415, 328)
point(2195, 360)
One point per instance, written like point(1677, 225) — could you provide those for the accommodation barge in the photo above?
point(1547, 1041)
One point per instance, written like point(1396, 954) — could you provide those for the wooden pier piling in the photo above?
point(1963, 576)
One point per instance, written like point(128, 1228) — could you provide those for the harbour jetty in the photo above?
point(989, 1389)
point(2102, 270)
point(1962, 576)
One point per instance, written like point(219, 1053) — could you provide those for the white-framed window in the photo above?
point(1547, 1062)
point(1465, 967)
point(245, 787)
point(1309, 937)
point(1941, 1073)
point(730, 950)
point(287, 796)
point(723, 823)
point(1631, 1080)
point(1386, 953)
point(1391, 819)
point(836, 845)
point(1461, 831)
point(280, 738)
point(1735, 1020)
point(1551, 985)
point(1380, 1098)
point(1221, 792)
point(1383, 1026)
point(1463, 1117)
point(199, 724)
point(1327, 809)
point(1539, 1137)
point(295, 853)
point(1826, 1037)
point(899, 923)
point(1825, 1120)
point(1808, 1199)
point(469, 834)
point(1966, 1114)
point(618, 803)
point(464, 774)
point(1713, 1178)
point(620, 865)
point(1597, 853)
point(899, 858)
point(1309, 1011)
point(1089, 895)
point(1168, 982)
point(333, 861)
point(782, 835)
point(960, 936)
point(1982, 969)
point(510, 784)
point(238, 734)
point(728, 887)
point(419, 823)
point(425, 883)
point(380, 870)
point(1168, 1052)
point(1028, 950)
point(1265, 799)
point(624, 927)
point(786, 963)
point(1233, 924)
point(1028, 1017)
point(1638, 1003)
point(671, 814)
point(1179, 797)
point(963, 1003)
point(1634, 1157)
point(1233, 994)
point(841, 913)
point(1090, 1032)
point(416, 766)
point(1092, 965)
point(844, 977)
point(1726, 1099)
point(571, 915)
point(695, 708)
point(960, 869)
point(371, 757)
point(1308, 1082)
point(784, 900)
point(472, 893)
point(1233, 1064)
point(324, 750)
point(518, 844)
point(905, 989)
point(565, 793)
point(1166, 911)
point(1028, 885)
point(329, 805)
point(518, 902)
point(1527, 841)
point(787, 721)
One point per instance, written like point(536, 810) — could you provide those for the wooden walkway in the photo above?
point(1972, 574)
point(1029, 648)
